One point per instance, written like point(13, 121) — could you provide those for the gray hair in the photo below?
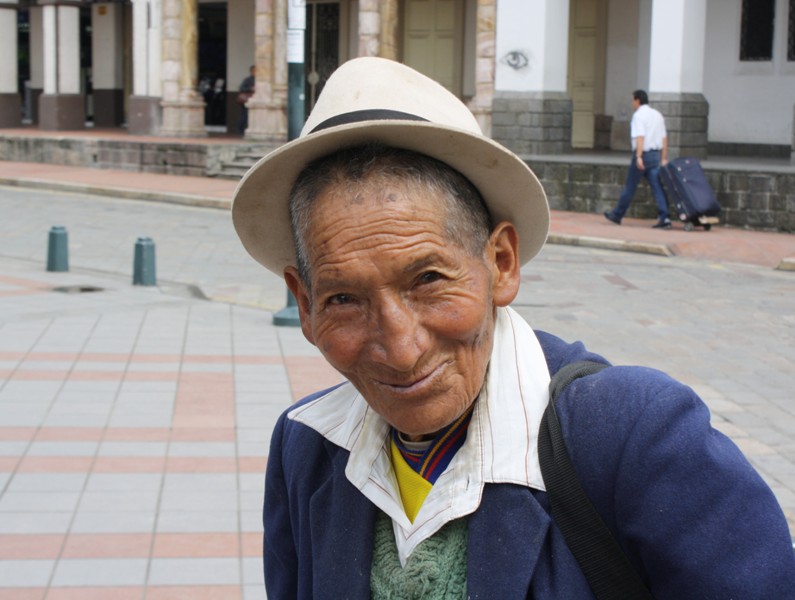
point(468, 222)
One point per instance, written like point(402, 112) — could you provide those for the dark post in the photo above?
point(296, 24)
point(58, 249)
point(144, 262)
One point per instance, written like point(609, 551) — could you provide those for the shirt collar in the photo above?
point(501, 445)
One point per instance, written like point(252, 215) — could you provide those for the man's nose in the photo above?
point(399, 337)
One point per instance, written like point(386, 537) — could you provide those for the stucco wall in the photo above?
point(748, 102)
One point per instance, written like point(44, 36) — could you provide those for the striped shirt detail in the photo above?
point(431, 462)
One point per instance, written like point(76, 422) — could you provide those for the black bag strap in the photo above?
point(606, 567)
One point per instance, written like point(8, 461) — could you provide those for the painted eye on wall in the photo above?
point(516, 59)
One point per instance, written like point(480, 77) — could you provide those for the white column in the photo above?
point(61, 106)
point(144, 113)
point(50, 53)
point(676, 73)
point(10, 107)
point(146, 47)
point(532, 45)
point(61, 29)
point(155, 20)
point(68, 18)
point(140, 47)
point(531, 108)
point(8, 48)
point(678, 31)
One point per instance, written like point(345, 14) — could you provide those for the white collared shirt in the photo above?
point(649, 123)
point(501, 444)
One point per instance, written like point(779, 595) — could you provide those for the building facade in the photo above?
point(541, 76)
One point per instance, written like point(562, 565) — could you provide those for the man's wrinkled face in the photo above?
point(402, 311)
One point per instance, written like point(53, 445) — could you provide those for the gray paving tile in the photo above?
point(100, 572)
point(35, 522)
point(117, 482)
point(24, 574)
point(185, 521)
point(208, 449)
point(127, 500)
point(38, 501)
point(252, 572)
point(133, 449)
point(47, 482)
point(194, 571)
point(63, 448)
point(113, 521)
point(198, 482)
point(251, 521)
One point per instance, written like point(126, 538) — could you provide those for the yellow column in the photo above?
point(183, 106)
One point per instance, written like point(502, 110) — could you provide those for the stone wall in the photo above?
point(173, 158)
point(749, 199)
point(532, 122)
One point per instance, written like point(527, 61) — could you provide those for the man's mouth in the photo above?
point(414, 384)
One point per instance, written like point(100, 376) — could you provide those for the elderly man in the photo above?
point(401, 230)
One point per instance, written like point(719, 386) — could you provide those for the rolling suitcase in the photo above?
point(688, 190)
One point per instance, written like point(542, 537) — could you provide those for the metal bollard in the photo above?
point(144, 262)
point(58, 249)
point(288, 316)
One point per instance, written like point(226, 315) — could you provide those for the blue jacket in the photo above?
point(693, 516)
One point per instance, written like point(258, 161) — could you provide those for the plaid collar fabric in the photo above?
point(431, 462)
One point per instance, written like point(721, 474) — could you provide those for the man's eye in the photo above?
point(430, 277)
point(340, 299)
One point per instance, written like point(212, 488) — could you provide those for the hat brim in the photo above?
point(260, 211)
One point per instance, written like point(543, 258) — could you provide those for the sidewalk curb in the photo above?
point(118, 192)
point(610, 244)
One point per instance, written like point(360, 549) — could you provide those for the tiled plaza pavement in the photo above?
point(135, 421)
point(134, 429)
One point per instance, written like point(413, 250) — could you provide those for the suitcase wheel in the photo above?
point(689, 226)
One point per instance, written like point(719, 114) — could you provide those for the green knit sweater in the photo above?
point(436, 570)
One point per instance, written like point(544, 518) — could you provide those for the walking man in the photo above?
point(649, 152)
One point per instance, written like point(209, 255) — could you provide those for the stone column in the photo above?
point(10, 106)
point(531, 109)
point(481, 103)
point(183, 106)
point(267, 109)
point(144, 113)
point(107, 66)
point(61, 106)
point(676, 73)
point(390, 30)
point(369, 28)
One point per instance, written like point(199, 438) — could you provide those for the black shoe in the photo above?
point(611, 217)
point(662, 224)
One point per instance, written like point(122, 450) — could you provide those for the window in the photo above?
point(756, 34)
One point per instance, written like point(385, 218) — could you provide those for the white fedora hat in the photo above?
point(377, 100)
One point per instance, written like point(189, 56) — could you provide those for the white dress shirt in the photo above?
point(649, 123)
point(501, 444)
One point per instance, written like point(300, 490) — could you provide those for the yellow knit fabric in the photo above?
point(413, 487)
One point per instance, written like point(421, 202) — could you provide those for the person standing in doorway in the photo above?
point(245, 92)
point(649, 153)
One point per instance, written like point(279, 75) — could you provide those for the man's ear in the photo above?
point(503, 256)
point(296, 286)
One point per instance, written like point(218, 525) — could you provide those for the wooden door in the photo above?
point(586, 69)
point(433, 40)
